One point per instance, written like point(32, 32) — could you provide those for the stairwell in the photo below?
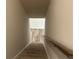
point(41, 50)
point(34, 51)
point(58, 26)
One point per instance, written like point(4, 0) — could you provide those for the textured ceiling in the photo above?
point(36, 7)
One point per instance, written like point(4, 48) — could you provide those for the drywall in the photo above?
point(15, 27)
point(27, 30)
point(36, 8)
point(59, 22)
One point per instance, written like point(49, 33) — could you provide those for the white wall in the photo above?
point(15, 28)
point(59, 22)
point(27, 30)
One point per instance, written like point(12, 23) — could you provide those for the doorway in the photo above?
point(37, 29)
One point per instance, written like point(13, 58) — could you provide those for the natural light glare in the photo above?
point(38, 23)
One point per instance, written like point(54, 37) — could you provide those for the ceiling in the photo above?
point(36, 8)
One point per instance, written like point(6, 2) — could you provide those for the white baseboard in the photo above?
point(21, 51)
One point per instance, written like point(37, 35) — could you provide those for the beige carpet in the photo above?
point(34, 51)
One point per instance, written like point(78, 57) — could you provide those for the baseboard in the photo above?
point(64, 49)
point(15, 57)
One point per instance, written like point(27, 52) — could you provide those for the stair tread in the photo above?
point(34, 51)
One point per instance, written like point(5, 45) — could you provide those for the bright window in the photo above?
point(37, 23)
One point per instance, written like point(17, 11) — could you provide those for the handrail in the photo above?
point(63, 49)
